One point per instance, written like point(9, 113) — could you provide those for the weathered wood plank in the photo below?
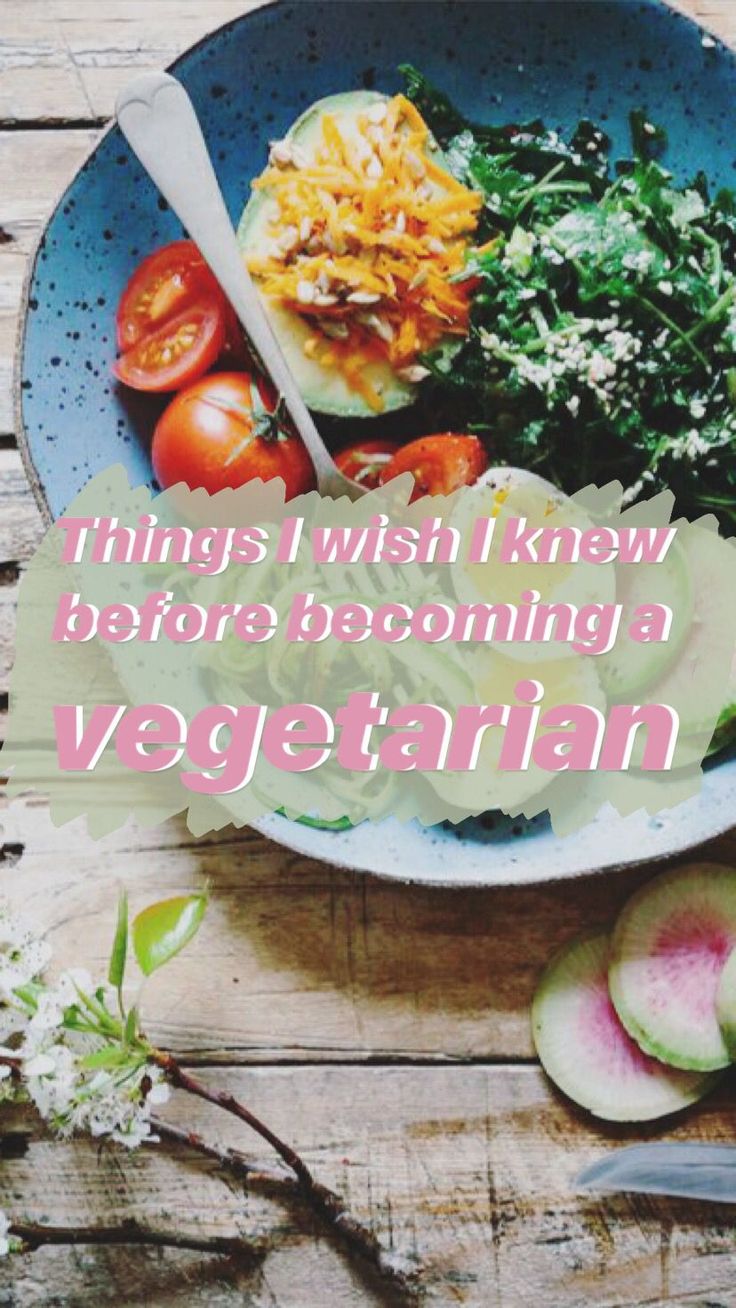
point(299, 960)
point(20, 520)
point(60, 61)
point(8, 602)
point(471, 1170)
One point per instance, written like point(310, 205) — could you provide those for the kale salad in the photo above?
point(602, 339)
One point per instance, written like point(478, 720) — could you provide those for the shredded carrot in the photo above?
point(365, 240)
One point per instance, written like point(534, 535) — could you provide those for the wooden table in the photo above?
point(384, 1029)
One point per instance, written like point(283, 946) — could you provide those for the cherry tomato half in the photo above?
point(439, 464)
point(177, 352)
point(159, 288)
point(171, 320)
point(224, 430)
point(365, 461)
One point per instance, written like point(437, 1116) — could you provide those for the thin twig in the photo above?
point(326, 1203)
point(35, 1234)
point(230, 1159)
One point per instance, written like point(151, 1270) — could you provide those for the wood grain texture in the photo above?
point(469, 1170)
point(300, 960)
point(455, 1149)
point(62, 61)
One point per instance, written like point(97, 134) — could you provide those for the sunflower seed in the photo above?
point(379, 326)
point(418, 279)
point(414, 374)
point(415, 164)
point(288, 239)
point(280, 153)
point(377, 112)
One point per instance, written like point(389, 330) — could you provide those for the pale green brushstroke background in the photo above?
point(276, 673)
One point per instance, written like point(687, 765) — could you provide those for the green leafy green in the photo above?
point(602, 341)
point(163, 929)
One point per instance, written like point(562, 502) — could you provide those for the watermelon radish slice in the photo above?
point(726, 1005)
point(669, 947)
point(585, 1050)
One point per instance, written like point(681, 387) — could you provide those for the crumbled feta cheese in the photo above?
point(639, 262)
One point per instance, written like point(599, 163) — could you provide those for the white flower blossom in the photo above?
point(22, 956)
point(54, 1050)
point(73, 1097)
point(22, 960)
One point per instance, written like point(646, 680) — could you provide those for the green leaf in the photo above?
point(110, 1056)
point(131, 1026)
point(163, 929)
point(119, 954)
point(29, 994)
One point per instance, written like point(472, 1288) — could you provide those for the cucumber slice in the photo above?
point(631, 667)
point(669, 947)
point(726, 1004)
point(707, 646)
point(585, 1050)
point(323, 389)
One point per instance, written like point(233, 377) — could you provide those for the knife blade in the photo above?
point(683, 1170)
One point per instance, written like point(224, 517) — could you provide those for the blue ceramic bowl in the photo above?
point(501, 60)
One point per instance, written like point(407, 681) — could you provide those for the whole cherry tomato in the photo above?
point(224, 430)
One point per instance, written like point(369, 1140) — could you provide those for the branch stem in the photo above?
point(35, 1234)
point(231, 1160)
point(327, 1204)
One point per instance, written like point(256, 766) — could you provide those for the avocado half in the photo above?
point(323, 389)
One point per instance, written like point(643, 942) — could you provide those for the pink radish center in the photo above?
point(687, 958)
point(603, 1040)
